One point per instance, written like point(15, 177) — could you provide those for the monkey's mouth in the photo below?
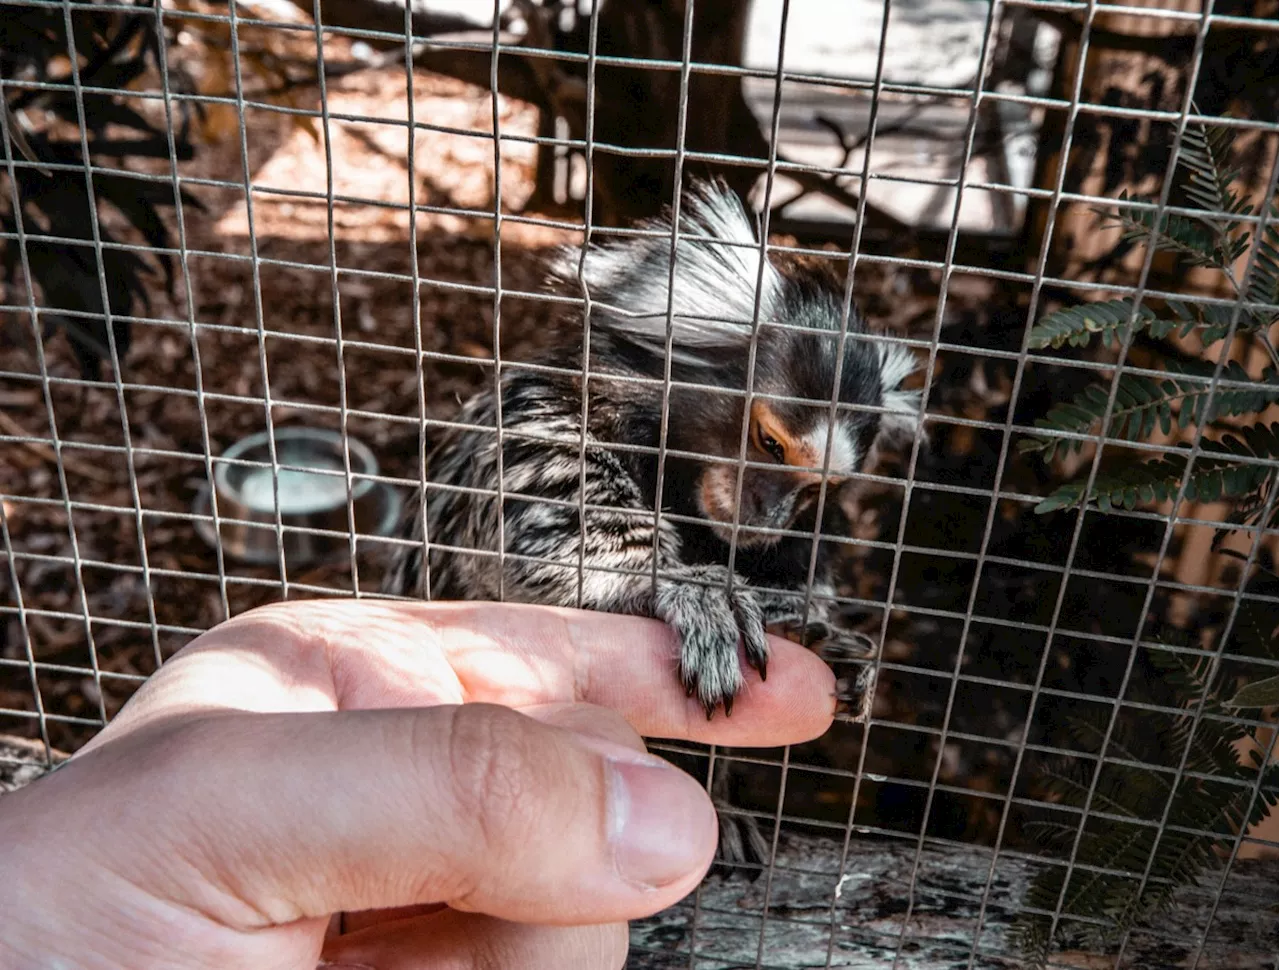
point(762, 526)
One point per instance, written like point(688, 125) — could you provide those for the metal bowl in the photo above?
point(309, 475)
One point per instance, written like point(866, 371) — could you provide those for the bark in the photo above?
point(871, 905)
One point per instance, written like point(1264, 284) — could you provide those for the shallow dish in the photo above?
point(312, 487)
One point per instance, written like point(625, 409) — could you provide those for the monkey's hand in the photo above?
point(814, 628)
point(832, 643)
point(711, 609)
point(787, 616)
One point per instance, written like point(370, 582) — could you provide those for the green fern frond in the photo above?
point(1209, 749)
point(1213, 799)
point(1071, 786)
point(1184, 674)
point(1241, 813)
point(1219, 473)
point(1227, 401)
point(1196, 241)
point(1214, 320)
point(1213, 239)
point(1172, 855)
point(1077, 325)
point(1029, 935)
point(1264, 280)
point(1089, 733)
point(1207, 156)
point(1144, 403)
point(1049, 832)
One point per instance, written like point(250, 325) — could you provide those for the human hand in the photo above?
point(464, 780)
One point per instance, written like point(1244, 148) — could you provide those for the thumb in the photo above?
point(292, 816)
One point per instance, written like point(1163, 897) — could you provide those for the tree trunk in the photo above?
point(639, 108)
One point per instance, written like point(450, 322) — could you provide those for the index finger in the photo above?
point(346, 654)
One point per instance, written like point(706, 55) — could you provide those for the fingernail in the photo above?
point(661, 824)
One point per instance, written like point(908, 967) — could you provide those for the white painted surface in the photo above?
point(933, 42)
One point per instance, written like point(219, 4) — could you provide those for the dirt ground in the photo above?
point(306, 384)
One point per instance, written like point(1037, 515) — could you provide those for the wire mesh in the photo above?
point(987, 646)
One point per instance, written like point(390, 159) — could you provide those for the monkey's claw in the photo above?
point(855, 696)
point(835, 644)
point(711, 619)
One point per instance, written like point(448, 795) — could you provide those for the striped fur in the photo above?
point(578, 521)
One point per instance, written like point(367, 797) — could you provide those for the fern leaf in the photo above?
point(1095, 894)
point(1206, 155)
point(1143, 403)
point(1077, 325)
point(1261, 693)
point(1263, 285)
point(1217, 322)
point(1170, 857)
point(1209, 749)
point(1193, 239)
point(1182, 673)
point(1226, 401)
point(1073, 790)
point(1048, 831)
point(1215, 318)
point(1212, 239)
point(1199, 815)
point(1219, 473)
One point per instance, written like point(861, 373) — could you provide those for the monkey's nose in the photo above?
point(810, 490)
point(809, 493)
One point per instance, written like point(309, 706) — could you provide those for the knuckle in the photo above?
point(489, 761)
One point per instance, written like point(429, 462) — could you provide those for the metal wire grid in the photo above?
point(878, 87)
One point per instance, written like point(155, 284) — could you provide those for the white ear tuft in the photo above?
point(900, 423)
point(717, 267)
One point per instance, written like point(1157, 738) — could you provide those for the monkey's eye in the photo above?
point(768, 443)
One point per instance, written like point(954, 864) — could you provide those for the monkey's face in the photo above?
point(794, 440)
point(787, 450)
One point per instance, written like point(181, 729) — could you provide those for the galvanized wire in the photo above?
point(947, 271)
point(184, 263)
point(54, 440)
point(259, 316)
point(879, 91)
point(326, 139)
